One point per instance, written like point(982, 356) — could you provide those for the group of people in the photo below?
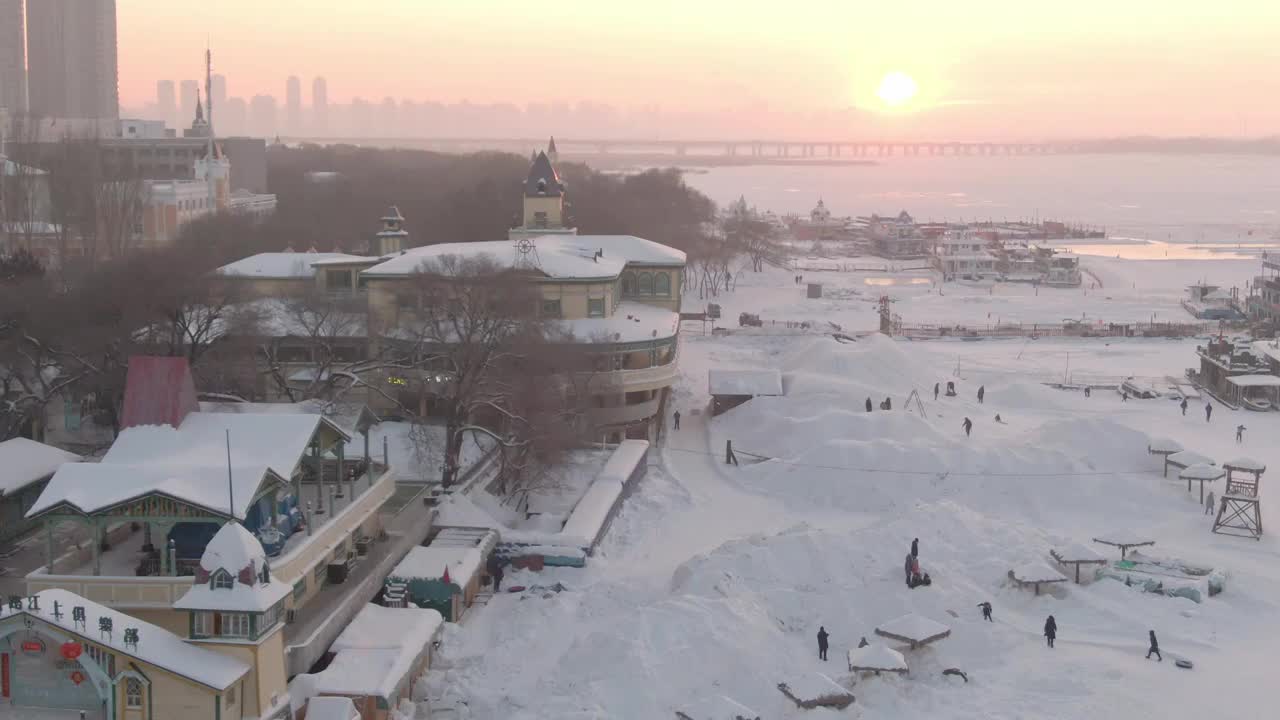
point(886, 405)
point(1208, 416)
point(911, 567)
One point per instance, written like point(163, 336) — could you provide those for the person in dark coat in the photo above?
point(1240, 433)
point(1124, 396)
point(863, 642)
point(1087, 392)
point(986, 611)
point(822, 643)
point(868, 404)
point(907, 567)
point(1183, 405)
point(497, 574)
point(729, 457)
point(982, 392)
point(888, 404)
point(1208, 411)
point(676, 417)
point(1155, 646)
point(968, 426)
point(937, 387)
point(915, 547)
point(1050, 630)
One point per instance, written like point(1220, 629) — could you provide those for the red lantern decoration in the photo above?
point(77, 677)
point(72, 650)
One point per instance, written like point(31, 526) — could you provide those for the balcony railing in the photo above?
point(625, 413)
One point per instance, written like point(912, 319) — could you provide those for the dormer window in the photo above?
point(221, 580)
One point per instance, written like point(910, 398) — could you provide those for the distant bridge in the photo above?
point(851, 149)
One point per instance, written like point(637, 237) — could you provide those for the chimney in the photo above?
point(158, 391)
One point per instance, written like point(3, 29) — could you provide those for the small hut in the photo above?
point(914, 630)
point(1035, 574)
point(1076, 555)
point(1203, 473)
point(1163, 447)
point(1123, 540)
point(816, 690)
point(717, 707)
point(877, 658)
point(1185, 459)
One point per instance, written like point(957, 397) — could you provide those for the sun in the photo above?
point(896, 89)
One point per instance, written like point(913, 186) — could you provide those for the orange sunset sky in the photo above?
point(1078, 68)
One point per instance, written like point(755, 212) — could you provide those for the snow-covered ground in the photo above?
point(714, 579)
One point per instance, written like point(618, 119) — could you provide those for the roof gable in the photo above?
point(158, 391)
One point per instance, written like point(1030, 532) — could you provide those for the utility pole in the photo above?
point(208, 95)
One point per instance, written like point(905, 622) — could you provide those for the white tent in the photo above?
point(876, 658)
point(914, 630)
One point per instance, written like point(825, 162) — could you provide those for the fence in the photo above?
point(1012, 330)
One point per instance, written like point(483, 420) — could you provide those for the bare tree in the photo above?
point(745, 231)
point(24, 188)
point(118, 201)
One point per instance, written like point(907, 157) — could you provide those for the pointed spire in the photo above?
point(199, 110)
point(445, 577)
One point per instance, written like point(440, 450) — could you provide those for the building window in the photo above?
point(222, 580)
point(202, 624)
point(628, 283)
point(271, 617)
point(646, 284)
point(595, 307)
point(551, 308)
point(104, 659)
point(662, 284)
point(337, 279)
point(132, 693)
point(235, 625)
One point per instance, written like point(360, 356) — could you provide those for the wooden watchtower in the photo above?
point(1240, 511)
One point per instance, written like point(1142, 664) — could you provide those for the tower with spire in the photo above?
point(543, 211)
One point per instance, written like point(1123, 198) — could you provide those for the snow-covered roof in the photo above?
point(717, 707)
point(233, 549)
point(429, 563)
point(188, 463)
point(24, 461)
point(482, 539)
point(630, 322)
point(813, 687)
point(352, 418)
point(744, 382)
point(1201, 471)
point(912, 628)
point(557, 256)
point(877, 656)
point(1037, 572)
point(282, 265)
point(592, 511)
point(376, 652)
point(1124, 537)
point(1187, 458)
point(156, 646)
point(1255, 380)
point(1245, 463)
point(1076, 552)
point(1270, 348)
point(622, 462)
point(341, 259)
point(1164, 445)
point(332, 708)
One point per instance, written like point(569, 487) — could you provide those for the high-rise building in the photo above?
point(13, 57)
point(262, 116)
point(293, 105)
point(71, 59)
point(233, 117)
point(167, 103)
point(187, 102)
point(218, 93)
point(320, 105)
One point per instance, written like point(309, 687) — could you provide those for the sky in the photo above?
point(982, 67)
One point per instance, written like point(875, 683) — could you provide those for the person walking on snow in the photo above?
point(915, 547)
point(822, 643)
point(1124, 396)
point(888, 404)
point(868, 404)
point(907, 567)
point(1183, 405)
point(676, 417)
point(968, 426)
point(986, 611)
point(1208, 504)
point(497, 577)
point(936, 388)
point(1088, 392)
point(1208, 411)
point(1050, 630)
point(1240, 434)
point(1155, 646)
point(982, 392)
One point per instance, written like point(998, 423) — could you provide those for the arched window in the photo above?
point(661, 284)
point(628, 283)
point(646, 284)
point(222, 580)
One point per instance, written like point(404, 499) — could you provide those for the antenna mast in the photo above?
point(208, 95)
point(231, 491)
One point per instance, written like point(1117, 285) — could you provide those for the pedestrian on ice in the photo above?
point(1183, 405)
point(915, 547)
point(1124, 396)
point(968, 426)
point(1050, 630)
point(982, 392)
point(1208, 411)
point(497, 574)
point(936, 388)
point(907, 567)
point(868, 404)
point(676, 417)
point(986, 611)
point(1240, 434)
point(1208, 504)
point(1088, 392)
point(822, 643)
point(1155, 646)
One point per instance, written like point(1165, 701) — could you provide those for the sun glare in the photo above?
point(896, 89)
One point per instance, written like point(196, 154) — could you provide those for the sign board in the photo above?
point(713, 311)
point(34, 648)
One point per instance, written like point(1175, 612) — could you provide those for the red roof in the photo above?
point(158, 391)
